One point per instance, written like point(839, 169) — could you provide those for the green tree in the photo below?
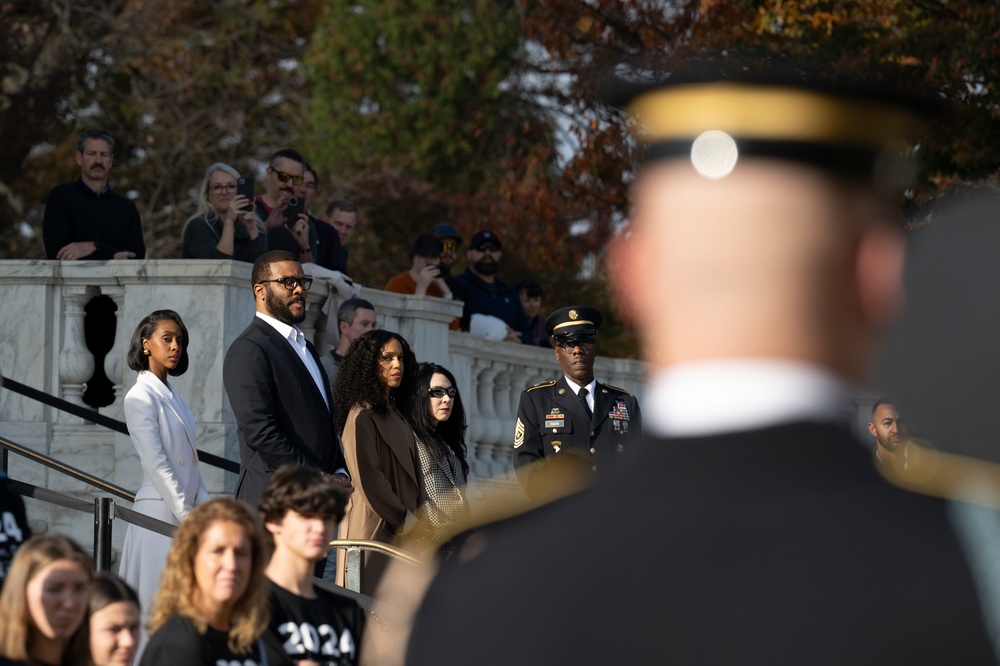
point(423, 86)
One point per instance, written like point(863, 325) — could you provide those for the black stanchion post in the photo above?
point(102, 533)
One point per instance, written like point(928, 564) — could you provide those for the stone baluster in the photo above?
point(483, 375)
point(76, 362)
point(503, 440)
point(113, 362)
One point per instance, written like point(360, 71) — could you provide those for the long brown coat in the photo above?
point(382, 458)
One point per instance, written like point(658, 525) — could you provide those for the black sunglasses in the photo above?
point(290, 283)
point(438, 392)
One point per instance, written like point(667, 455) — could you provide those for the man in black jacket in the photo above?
point(87, 219)
point(276, 384)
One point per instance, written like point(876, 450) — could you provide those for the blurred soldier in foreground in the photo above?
point(760, 269)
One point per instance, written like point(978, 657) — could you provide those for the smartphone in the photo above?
point(296, 207)
point(244, 186)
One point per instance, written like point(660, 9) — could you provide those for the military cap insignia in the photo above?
point(573, 315)
point(518, 433)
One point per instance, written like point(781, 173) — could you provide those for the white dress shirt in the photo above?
point(575, 388)
point(730, 395)
point(297, 339)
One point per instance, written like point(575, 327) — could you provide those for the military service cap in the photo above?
point(715, 108)
point(576, 322)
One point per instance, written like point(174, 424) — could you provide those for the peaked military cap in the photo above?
point(576, 322)
point(717, 107)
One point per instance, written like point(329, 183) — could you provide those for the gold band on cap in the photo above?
point(769, 113)
point(578, 322)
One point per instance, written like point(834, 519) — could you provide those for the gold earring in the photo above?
point(146, 352)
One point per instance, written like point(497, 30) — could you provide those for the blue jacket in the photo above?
point(495, 299)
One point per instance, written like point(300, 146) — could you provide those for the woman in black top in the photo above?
point(222, 229)
point(212, 601)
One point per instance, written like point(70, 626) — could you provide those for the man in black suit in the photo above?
point(276, 385)
point(760, 269)
point(573, 427)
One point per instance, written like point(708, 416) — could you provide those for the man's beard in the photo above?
point(485, 266)
point(280, 309)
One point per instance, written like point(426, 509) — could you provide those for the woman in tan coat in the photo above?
point(378, 445)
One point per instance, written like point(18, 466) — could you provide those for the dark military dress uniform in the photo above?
point(554, 430)
point(552, 420)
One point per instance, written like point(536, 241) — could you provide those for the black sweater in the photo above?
point(74, 212)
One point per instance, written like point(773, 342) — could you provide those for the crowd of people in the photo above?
point(89, 220)
point(761, 270)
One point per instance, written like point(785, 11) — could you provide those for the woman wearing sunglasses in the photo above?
point(435, 412)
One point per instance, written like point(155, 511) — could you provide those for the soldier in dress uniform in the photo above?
point(572, 426)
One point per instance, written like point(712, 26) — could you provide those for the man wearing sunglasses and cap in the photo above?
point(486, 294)
point(572, 428)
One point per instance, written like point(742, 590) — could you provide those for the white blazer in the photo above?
point(163, 433)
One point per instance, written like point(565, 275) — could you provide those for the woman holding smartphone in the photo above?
point(224, 227)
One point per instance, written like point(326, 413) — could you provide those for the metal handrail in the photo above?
point(384, 548)
point(352, 558)
point(105, 421)
point(77, 474)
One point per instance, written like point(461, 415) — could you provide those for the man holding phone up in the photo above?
point(280, 213)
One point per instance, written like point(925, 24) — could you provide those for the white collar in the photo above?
point(289, 332)
point(729, 395)
point(162, 389)
point(575, 388)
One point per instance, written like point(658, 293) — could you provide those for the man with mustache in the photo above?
point(569, 427)
point(486, 294)
point(87, 219)
point(276, 384)
point(283, 181)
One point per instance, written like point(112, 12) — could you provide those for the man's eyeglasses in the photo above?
point(488, 248)
point(439, 392)
point(219, 189)
point(585, 345)
point(449, 246)
point(285, 177)
point(290, 283)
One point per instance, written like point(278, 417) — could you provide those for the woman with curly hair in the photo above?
point(43, 606)
point(435, 412)
point(378, 446)
point(212, 603)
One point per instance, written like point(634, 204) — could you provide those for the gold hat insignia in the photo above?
point(573, 314)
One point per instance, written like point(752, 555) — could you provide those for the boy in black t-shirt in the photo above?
point(300, 509)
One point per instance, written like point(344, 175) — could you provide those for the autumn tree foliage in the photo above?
point(477, 113)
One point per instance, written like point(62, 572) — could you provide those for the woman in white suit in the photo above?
point(163, 433)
